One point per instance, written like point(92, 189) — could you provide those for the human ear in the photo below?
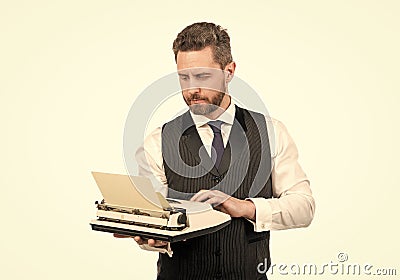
point(229, 71)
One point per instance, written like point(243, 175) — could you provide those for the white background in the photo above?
point(70, 70)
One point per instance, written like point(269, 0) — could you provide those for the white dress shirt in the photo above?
point(292, 204)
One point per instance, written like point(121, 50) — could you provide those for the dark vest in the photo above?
point(234, 251)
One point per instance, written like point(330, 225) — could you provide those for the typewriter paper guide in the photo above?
point(129, 191)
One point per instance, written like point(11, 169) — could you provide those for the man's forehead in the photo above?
point(200, 70)
point(199, 58)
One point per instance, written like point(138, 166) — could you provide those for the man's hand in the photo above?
point(227, 204)
point(141, 241)
point(150, 242)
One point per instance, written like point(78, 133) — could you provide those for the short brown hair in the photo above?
point(197, 36)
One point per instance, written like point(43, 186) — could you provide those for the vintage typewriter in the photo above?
point(130, 206)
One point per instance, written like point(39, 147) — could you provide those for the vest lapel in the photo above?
point(236, 142)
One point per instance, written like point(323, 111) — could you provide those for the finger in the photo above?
point(139, 240)
point(160, 243)
point(223, 195)
point(198, 194)
point(116, 235)
point(156, 243)
point(199, 197)
point(221, 208)
point(215, 201)
point(218, 193)
point(151, 242)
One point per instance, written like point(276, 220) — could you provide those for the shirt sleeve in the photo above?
point(150, 161)
point(292, 205)
point(150, 164)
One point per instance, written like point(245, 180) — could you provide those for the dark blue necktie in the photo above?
point(217, 143)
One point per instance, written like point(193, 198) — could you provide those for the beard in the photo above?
point(212, 104)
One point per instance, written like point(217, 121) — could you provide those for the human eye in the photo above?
point(203, 76)
point(183, 77)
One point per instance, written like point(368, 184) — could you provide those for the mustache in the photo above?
point(195, 97)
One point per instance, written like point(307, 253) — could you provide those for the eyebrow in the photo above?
point(202, 73)
point(194, 74)
point(183, 75)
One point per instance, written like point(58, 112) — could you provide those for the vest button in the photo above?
point(218, 275)
point(216, 179)
point(218, 253)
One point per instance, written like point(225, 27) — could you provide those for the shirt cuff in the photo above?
point(263, 220)
point(164, 249)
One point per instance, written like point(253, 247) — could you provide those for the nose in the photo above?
point(193, 90)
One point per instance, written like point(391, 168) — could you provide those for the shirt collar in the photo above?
point(228, 116)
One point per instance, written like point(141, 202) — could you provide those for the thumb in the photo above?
point(116, 235)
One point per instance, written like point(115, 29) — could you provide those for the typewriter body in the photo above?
point(130, 206)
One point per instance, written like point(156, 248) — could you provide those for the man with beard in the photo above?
point(254, 176)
